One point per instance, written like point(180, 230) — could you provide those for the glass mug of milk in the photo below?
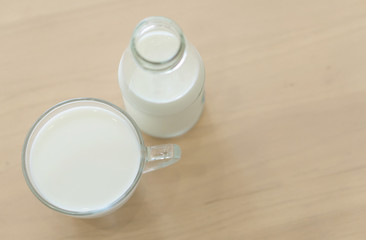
point(161, 76)
point(84, 157)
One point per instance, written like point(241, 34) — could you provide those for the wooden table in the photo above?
point(279, 153)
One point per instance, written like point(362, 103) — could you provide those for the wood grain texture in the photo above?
point(279, 152)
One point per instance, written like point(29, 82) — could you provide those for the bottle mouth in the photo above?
point(158, 44)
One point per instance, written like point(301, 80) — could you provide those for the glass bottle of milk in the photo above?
point(161, 76)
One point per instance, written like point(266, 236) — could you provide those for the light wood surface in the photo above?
point(279, 153)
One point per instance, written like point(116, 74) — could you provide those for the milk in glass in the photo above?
point(84, 158)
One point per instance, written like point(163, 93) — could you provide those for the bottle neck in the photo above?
point(158, 44)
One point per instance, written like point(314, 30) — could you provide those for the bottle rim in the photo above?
point(154, 23)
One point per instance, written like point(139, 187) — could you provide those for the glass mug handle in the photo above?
point(161, 156)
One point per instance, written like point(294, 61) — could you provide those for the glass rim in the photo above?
point(106, 208)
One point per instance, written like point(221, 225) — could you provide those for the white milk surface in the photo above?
point(158, 46)
point(84, 158)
